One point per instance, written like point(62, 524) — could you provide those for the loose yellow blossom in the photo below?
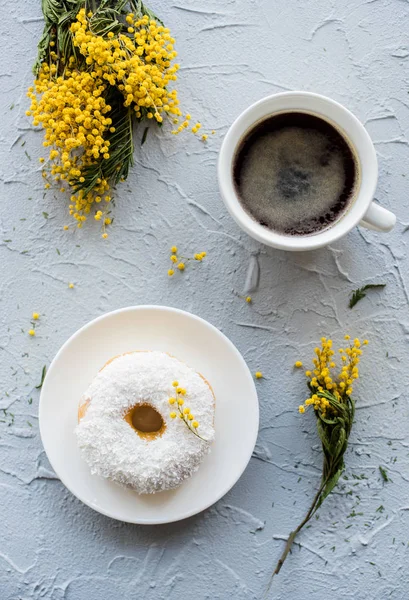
point(71, 286)
point(173, 415)
point(171, 272)
point(36, 316)
point(172, 400)
point(175, 383)
point(258, 374)
point(298, 364)
point(184, 260)
point(248, 299)
point(31, 332)
point(301, 409)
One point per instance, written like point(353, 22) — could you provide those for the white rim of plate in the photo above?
point(155, 307)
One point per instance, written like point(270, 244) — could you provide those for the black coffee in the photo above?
point(295, 173)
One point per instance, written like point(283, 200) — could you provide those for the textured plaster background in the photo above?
point(232, 53)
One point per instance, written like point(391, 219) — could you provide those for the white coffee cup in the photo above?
point(362, 210)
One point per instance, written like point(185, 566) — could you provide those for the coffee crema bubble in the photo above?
point(295, 173)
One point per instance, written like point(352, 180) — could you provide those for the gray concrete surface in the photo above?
point(232, 53)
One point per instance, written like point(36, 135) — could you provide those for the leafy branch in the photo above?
point(334, 434)
point(358, 294)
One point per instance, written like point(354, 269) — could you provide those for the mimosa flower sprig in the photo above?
point(103, 68)
point(179, 262)
point(331, 398)
point(184, 412)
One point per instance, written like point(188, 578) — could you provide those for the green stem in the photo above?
point(294, 533)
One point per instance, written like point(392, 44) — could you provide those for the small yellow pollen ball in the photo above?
point(181, 266)
point(195, 424)
point(301, 409)
point(174, 249)
point(172, 415)
point(36, 316)
point(248, 299)
point(71, 286)
point(258, 375)
point(31, 332)
point(298, 364)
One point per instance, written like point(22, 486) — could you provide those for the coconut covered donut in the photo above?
point(146, 421)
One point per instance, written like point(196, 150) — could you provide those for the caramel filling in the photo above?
point(145, 420)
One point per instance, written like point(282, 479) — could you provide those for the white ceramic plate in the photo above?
point(192, 340)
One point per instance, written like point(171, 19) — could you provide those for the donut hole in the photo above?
point(145, 420)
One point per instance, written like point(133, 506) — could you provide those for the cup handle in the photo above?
point(378, 218)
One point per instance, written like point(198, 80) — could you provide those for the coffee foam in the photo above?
point(293, 179)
